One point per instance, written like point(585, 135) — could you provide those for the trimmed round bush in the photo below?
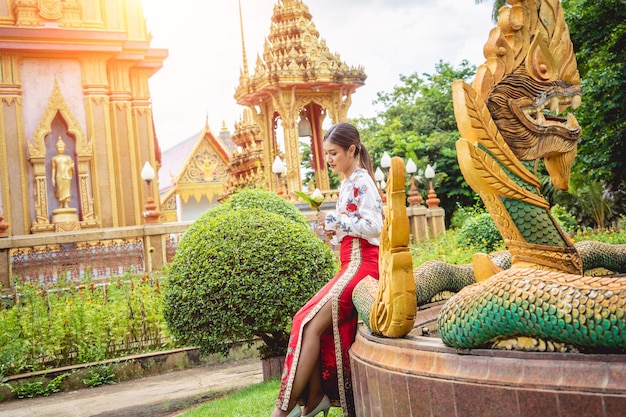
point(242, 273)
point(255, 198)
point(480, 232)
point(265, 200)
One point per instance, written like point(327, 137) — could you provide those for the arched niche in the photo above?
point(58, 121)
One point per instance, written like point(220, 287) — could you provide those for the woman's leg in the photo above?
point(308, 364)
point(315, 393)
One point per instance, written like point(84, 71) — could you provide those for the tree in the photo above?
point(419, 123)
point(598, 31)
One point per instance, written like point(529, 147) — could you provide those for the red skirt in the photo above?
point(358, 260)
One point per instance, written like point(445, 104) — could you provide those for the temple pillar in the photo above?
point(16, 205)
point(292, 157)
point(316, 117)
point(144, 130)
point(97, 112)
point(125, 173)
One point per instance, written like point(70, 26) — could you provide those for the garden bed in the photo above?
point(66, 378)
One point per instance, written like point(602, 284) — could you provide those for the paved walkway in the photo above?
point(160, 395)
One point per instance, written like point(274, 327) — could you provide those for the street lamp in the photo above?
point(151, 213)
point(415, 199)
point(432, 201)
point(279, 168)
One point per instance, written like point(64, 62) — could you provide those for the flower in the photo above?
point(315, 200)
point(351, 207)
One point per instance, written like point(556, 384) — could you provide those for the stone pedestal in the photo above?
point(65, 220)
point(417, 221)
point(436, 220)
point(64, 215)
point(420, 376)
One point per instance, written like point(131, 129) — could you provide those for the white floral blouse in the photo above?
point(359, 209)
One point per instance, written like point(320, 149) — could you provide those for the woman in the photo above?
point(317, 366)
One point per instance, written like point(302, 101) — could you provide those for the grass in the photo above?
point(255, 401)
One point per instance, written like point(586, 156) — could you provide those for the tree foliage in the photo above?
point(598, 32)
point(418, 123)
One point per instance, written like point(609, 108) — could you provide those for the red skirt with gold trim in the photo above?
point(358, 260)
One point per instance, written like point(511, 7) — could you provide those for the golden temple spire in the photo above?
point(294, 54)
point(246, 73)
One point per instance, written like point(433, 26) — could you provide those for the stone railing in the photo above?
point(103, 253)
point(100, 253)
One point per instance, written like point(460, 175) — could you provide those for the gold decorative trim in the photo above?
point(50, 9)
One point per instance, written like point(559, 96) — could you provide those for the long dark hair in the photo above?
point(345, 135)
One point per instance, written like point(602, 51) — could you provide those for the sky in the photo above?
point(388, 38)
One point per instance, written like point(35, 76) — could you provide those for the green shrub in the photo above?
point(38, 387)
point(564, 219)
point(265, 200)
point(480, 232)
point(463, 213)
point(241, 273)
point(100, 375)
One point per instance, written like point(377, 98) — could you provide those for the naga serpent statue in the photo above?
point(535, 296)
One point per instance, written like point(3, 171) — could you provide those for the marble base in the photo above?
point(419, 376)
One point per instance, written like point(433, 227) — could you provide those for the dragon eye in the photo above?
point(540, 61)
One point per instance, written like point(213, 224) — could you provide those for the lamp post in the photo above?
point(151, 213)
point(279, 168)
point(415, 199)
point(432, 201)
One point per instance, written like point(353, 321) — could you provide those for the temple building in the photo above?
point(76, 124)
point(296, 85)
point(193, 176)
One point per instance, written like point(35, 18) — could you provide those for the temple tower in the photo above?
point(74, 76)
point(297, 83)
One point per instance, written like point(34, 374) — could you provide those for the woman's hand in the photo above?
point(321, 218)
point(321, 225)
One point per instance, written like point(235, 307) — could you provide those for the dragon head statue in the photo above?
point(529, 80)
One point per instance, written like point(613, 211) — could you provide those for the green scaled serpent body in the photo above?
point(580, 311)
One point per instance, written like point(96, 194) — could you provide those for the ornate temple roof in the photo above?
point(177, 160)
point(294, 55)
